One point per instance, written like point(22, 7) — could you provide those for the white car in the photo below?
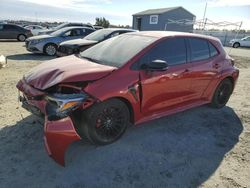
point(35, 29)
point(244, 42)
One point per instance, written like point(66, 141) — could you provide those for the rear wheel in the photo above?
point(222, 94)
point(105, 122)
point(50, 49)
point(236, 45)
point(21, 37)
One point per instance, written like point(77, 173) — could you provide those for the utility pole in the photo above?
point(204, 15)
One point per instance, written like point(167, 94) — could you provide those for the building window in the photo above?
point(153, 19)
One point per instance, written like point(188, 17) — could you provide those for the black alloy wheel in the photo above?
point(105, 122)
point(222, 94)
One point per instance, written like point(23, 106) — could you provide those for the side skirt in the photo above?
point(173, 110)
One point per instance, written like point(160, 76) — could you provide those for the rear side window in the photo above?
point(10, 27)
point(199, 49)
point(87, 31)
point(213, 51)
point(173, 51)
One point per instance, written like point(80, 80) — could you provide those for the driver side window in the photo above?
point(173, 51)
point(67, 34)
point(73, 32)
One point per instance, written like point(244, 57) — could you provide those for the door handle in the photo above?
point(175, 74)
point(179, 74)
point(216, 66)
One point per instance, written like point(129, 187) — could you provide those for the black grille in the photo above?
point(62, 49)
point(26, 43)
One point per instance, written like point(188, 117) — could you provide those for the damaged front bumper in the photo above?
point(59, 129)
point(58, 135)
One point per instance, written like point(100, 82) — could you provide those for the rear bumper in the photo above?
point(58, 135)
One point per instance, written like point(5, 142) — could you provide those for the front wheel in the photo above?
point(222, 94)
point(105, 122)
point(50, 49)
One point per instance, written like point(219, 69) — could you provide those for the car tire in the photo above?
point(105, 122)
point(50, 49)
point(222, 94)
point(236, 45)
point(21, 37)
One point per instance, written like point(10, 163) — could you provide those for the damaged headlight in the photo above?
point(60, 105)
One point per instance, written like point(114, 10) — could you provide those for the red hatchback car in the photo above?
point(131, 78)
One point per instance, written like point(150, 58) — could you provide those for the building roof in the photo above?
point(159, 11)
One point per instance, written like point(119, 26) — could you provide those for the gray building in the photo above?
point(169, 19)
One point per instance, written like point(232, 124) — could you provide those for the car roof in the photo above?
point(9, 24)
point(118, 29)
point(77, 27)
point(33, 25)
point(164, 34)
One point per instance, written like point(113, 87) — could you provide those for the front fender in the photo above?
point(58, 135)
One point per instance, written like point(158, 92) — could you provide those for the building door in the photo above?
point(138, 23)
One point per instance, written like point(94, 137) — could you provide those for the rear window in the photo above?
point(199, 49)
point(10, 27)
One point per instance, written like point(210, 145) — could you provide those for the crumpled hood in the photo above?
point(39, 37)
point(63, 70)
point(78, 42)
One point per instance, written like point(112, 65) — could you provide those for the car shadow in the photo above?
point(10, 40)
point(181, 150)
point(30, 56)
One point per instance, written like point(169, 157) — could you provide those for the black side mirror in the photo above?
point(156, 65)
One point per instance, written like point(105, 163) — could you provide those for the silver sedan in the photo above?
point(48, 43)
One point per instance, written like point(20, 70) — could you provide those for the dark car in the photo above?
point(79, 45)
point(48, 31)
point(11, 31)
point(132, 78)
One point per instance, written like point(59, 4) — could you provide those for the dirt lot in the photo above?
point(202, 147)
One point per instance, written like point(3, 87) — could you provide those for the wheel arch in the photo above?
point(21, 34)
point(49, 44)
point(237, 42)
point(208, 93)
point(231, 80)
point(129, 105)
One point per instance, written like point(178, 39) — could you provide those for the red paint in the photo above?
point(58, 135)
point(66, 70)
point(188, 85)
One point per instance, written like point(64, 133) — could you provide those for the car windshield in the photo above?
point(245, 38)
point(99, 35)
point(118, 50)
point(59, 32)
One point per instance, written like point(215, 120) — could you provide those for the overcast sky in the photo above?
point(119, 11)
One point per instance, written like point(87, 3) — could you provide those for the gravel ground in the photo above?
point(201, 147)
